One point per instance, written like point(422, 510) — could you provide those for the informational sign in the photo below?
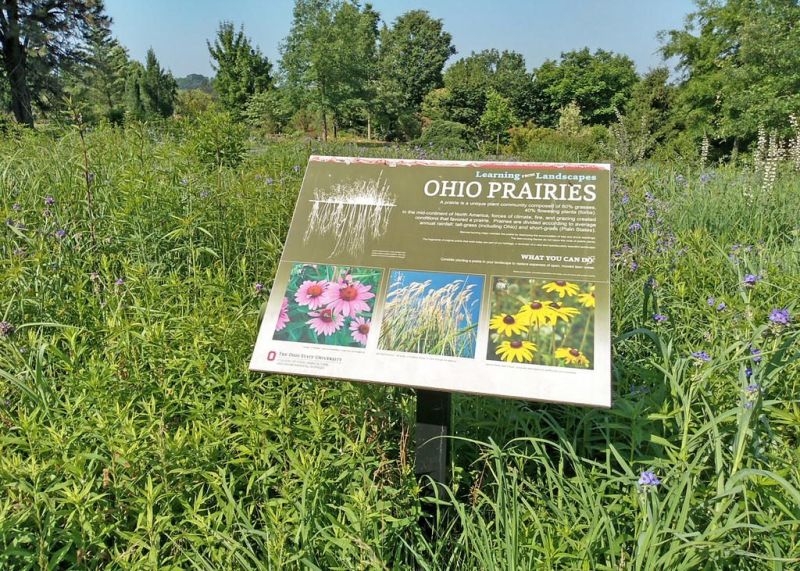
point(478, 277)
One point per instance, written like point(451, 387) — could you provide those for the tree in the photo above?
point(150, 91)
point(242, 71)
point(327, 59)
point(497, 117)
point(412, 55)
point(103, 74)
point(599, 83)
point(39, 39)
point(741, 68)
point(469, 80)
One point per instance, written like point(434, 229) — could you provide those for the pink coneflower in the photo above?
point(348, 298)
point(283, 317)
point(325, 321)
point(359, 329)
point(311, 293)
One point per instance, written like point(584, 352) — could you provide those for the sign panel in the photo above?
point(479, 277)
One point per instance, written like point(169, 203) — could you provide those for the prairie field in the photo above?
point(132, 436)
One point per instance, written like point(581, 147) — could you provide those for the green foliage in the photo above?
point(587, 144)
point(134, 437)
point(412, 54)
point(470, 79)
point(741, 69)
point(193, 102)
point(598, 82)
point(150, 91)
point(328, 60)
point(447, 135)
point(269, 111)
point(41, 41)
point(497, 117)
point(218, 140)
point(242, 71)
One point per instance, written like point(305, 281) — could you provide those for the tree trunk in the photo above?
point(14, 60)
point(369, 126)
point(324, 126)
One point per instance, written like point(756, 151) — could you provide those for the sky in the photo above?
point(538, 29)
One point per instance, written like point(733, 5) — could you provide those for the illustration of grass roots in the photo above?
point(350, 214)
point(433, 322)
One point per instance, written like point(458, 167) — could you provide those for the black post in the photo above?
point(432, 448)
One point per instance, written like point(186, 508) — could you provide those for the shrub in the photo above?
point(447, 134)
point(218, 140)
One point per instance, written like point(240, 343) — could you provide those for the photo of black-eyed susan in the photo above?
point(541, 322)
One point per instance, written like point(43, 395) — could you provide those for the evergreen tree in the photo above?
point(40, 40)
point(150, 91)
point(242, 71)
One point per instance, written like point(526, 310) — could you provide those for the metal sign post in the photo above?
point(430, 440)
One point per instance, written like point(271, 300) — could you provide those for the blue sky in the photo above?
point(538, 29)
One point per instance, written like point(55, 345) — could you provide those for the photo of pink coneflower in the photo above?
point(359, 329)
point(348, 297)
point(311, 293)
point(329, 305)
point(325, 321)
point(283, 317)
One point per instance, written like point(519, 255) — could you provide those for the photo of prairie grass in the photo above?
point(541, 322)
point(431, 313)
point(329, 305)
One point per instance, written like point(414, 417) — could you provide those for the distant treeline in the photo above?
point(342, 70)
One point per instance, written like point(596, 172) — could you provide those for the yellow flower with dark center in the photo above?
point(521, 351)
point(561, 311)
point(572, 356)
point(588, 299)
point(537, 313)
point(562, 288)
point(506, 324)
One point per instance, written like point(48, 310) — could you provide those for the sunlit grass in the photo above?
point(132, 435)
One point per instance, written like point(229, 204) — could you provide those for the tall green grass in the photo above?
point(132, 435)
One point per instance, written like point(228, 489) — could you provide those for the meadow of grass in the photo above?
point(132, 435)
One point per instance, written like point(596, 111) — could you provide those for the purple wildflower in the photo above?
point(204, 194)
point(19, 252)
point(16, 206)
point(625, 198)
point(47, 213)
point(259, 287)
point(648, 478)
point(780, 316)
point(270, 180)
point(634, 266)
point(722, 305)
point(119, 282)
point(184, 181)
point(748, 372)
point(659, 318)
point(701, 356)
point(756, 354)
point(6, 329)
point(49, 201)
point(711, 301)
point(751, 393)
point(296, 168)
point(751, 279)
point(61, 234)
point(635, 227)
point(706, 177)
point(680, 179)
